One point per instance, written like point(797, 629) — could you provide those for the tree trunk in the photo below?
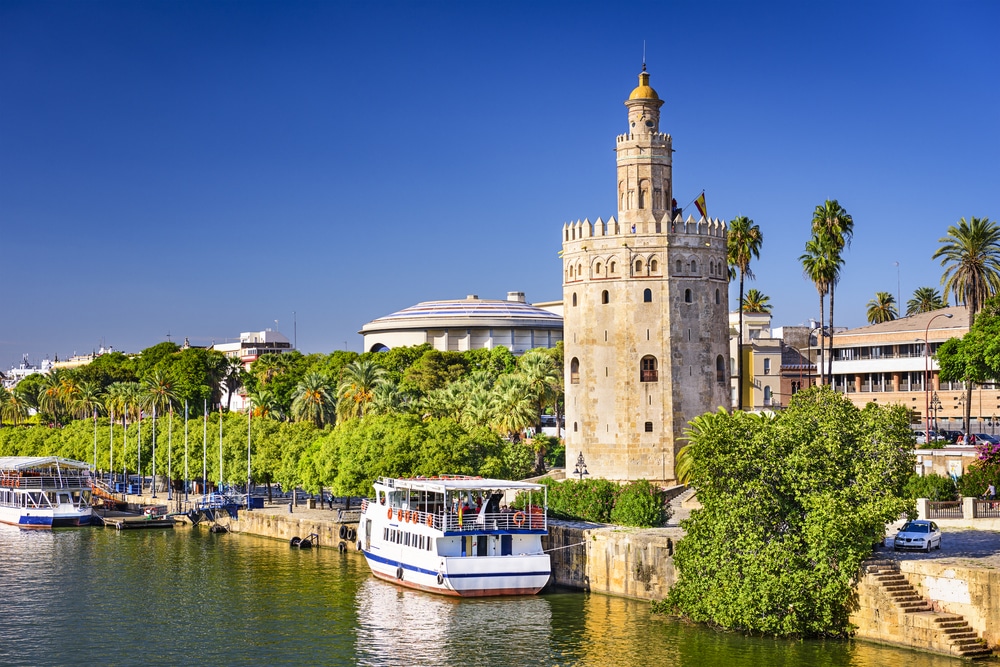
point(821, 340)
point(829, 361)
point(739, 352)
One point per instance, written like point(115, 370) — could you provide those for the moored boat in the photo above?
point(456, 535)
point(44, 492)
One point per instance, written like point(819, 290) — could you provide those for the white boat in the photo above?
point(44, 492)
point(455, 535)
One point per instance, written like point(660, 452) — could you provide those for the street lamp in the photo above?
point(935, 406)
point(927, 389)
point(581, 467)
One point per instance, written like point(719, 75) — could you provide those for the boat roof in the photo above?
point(455, 483)
point(29, 462)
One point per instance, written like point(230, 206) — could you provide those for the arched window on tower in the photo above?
point(720, 369)
point(652, 266)
point(574, 371)
point(605, 297)
point(598, 268)
point(574, 299)
point(643, 193)
point(647, 295)
point(688, 296)
point(694, 266)
point(638, 266)
point(611, 267)
point(647, 369)
point(718, 298)
point(679, 266)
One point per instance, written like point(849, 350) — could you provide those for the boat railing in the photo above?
point(38, 482)
point(470, 521)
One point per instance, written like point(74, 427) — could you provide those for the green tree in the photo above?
point(821, 265)
point(14, 406)
point(791, 506)
point(742, 246)
point(543, 380)
point(756, 301)
point(925, 299)
point(313, 401)
point(882, 308)
point(89, 400)
point(357, 388)
point(970, 255)
point(835, 227)
point(434, 370)
point(234, 375)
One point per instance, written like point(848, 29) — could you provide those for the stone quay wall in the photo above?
point(972, 592)
point(627, 562)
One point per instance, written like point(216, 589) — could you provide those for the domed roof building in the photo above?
point(468, 324)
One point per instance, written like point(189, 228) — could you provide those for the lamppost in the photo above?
point(927, 389)
point(935, 406)
point(581, 467)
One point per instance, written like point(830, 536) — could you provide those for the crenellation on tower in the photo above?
point(645, 313)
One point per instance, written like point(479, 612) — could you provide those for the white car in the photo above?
point(918, 535)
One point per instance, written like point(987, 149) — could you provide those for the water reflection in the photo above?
point(190, 597)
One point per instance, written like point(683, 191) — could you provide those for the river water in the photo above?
point(189, 597)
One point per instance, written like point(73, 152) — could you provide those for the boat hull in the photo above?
point(468, 577)
point(44, 519)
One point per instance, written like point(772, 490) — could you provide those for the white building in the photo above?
point(468, 324)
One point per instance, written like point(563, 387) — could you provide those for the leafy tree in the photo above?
point(756, 301)
point(543, 380)
point(791, 506)
point(89, 400)
point(932, 487)
point(234, 375)
point(835, 228)
point(975, 357)
point(640, 503)
point(14, 406)
point(107, 369)
point(434, 370)
point(157, 355)
point(970, 255)
point(925, 299)
point(742, 246)
point(882, 308)
point(512, 406)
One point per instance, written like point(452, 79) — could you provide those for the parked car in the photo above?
point(987, 439)
point(922, 437)
point(918, 535)
point(951, 436)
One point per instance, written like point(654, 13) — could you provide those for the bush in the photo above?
point(932, 487)
point(979, 475)
point(640, 504)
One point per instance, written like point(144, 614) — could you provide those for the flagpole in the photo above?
point(152, 483)
point(204, 449)
point(187, 477)
point(220, 448)
point(170, 449)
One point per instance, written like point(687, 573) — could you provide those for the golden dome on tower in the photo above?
point(643, 91)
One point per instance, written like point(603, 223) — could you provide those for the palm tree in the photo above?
point(756, 302)
point(882, 308)
point(51, 396)
point(89, 399)
point(925, 299)
point(357, 387)
point(312, 400)
point(234, 375)
point(513, 408)
point(821, 266)
point(158, 390)
point(832, 224)
point(264, 403)
point(742, 246)
point(543, 380)
point(971, 260)
point(14, 406)
point(268, 366)
point(388, 399)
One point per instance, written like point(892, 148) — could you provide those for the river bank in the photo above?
point(961, 580)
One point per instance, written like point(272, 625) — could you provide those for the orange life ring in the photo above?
point(399, 514)
point(408, 516)
point(519, 519)
point(430, 520)
point(390, 512)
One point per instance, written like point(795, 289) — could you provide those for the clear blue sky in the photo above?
point(206, 168)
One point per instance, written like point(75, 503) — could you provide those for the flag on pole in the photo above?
point(700, 203)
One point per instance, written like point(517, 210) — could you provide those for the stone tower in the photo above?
point(646, 314)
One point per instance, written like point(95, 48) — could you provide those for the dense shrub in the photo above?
point(932, 487)
point(979, 476)
point(640, 503)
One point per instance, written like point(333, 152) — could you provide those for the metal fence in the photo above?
point(987, 509)
point(945, 509)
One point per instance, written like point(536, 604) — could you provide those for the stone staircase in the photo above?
point(943, 632)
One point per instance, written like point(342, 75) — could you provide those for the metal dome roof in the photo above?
point(471, 311)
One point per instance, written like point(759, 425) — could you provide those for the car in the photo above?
point(917, 535)
point(986, 438)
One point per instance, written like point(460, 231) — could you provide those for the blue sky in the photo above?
point(206, 168)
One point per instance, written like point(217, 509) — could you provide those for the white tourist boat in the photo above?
point(44, 492)
point(455, 535)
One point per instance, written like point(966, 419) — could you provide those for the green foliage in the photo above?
point(932, 487)
point(587, 500)
point(434, 370)
point(977, 477)
point(791, 506)
point(640, 503)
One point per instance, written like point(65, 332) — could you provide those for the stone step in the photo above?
point(974, 653)
point(887, 576)
point(966, 641)
point(949, 618)
point(904, 600)
point(912, 610)
point(908, 604)
point(953, 627)
point(963, 637)
point(896, 587)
